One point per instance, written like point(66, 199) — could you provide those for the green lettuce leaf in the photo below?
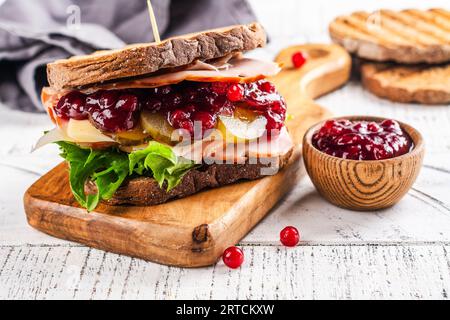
point(162, 162)
point(109, 168)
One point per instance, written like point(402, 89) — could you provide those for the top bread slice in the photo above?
point(409, 36)
point(141, 59)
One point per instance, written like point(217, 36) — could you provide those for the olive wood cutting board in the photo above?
point(194, 231)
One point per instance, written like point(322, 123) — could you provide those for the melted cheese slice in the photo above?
point(82, 131)
point(76, 131)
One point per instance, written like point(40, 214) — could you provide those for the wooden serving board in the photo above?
point(194, 231)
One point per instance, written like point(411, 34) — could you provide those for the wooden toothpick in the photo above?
point(153, 22)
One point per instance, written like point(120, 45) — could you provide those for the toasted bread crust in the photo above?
point(409, 36)
point(408, 84)
point(141, 59)
point(146, 191)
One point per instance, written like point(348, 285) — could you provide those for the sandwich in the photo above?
point(155, 122)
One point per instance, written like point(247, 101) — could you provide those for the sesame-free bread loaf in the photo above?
point(141, 59)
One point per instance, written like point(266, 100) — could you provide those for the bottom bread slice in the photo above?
point(423, 84)
point(145, 191)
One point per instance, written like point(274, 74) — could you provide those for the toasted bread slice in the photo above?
point(403, 83)
point(141, 59)
point(145, 191)
point(409, 36)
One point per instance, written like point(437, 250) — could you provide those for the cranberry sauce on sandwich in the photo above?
point(169, 127)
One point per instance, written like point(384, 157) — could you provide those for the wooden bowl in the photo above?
point(363, 185)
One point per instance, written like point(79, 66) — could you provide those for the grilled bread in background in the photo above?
point(419, 84)
point(409, 36)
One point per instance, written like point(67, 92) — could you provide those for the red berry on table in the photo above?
point(290, 237)
point(235, 93)
point(233, 257)
point(298, 59)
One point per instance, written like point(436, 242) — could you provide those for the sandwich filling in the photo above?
point(162, 126)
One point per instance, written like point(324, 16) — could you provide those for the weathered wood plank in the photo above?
point(311, 272)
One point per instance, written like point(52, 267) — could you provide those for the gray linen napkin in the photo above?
point(33, 33)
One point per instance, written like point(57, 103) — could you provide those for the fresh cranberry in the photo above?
point(374, 127)
point(381, 153)
point(102, 100)
point(172, 100)
point(206, 119)
point(221, 105)
point(181, 119)
point(187, 125)
point(362, 140)
point(274, 121)
point(235, 93)
point(203, 88)
point(72, 106)
point(176, 116)
point(190, 108)
point(348, 139)
point(164, 90)
point(290, 237)
point(120, 116)
point(190, 94)
point(258, 99)
point(127, 103)
point(153, 104)
point(267, 86)
point(279, 107)
point(394, 126)
point(209, 99)
point(227, 109)
point(328, 125)
point(298, 59)
point(221, 88)
point(233, 257)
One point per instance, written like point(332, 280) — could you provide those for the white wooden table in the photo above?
point(402, 252)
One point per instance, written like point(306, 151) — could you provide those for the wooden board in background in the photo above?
point(194, 231)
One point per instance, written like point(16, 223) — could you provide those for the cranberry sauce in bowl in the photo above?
point(363, 163)
point(115, 111)
point(362, 140)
